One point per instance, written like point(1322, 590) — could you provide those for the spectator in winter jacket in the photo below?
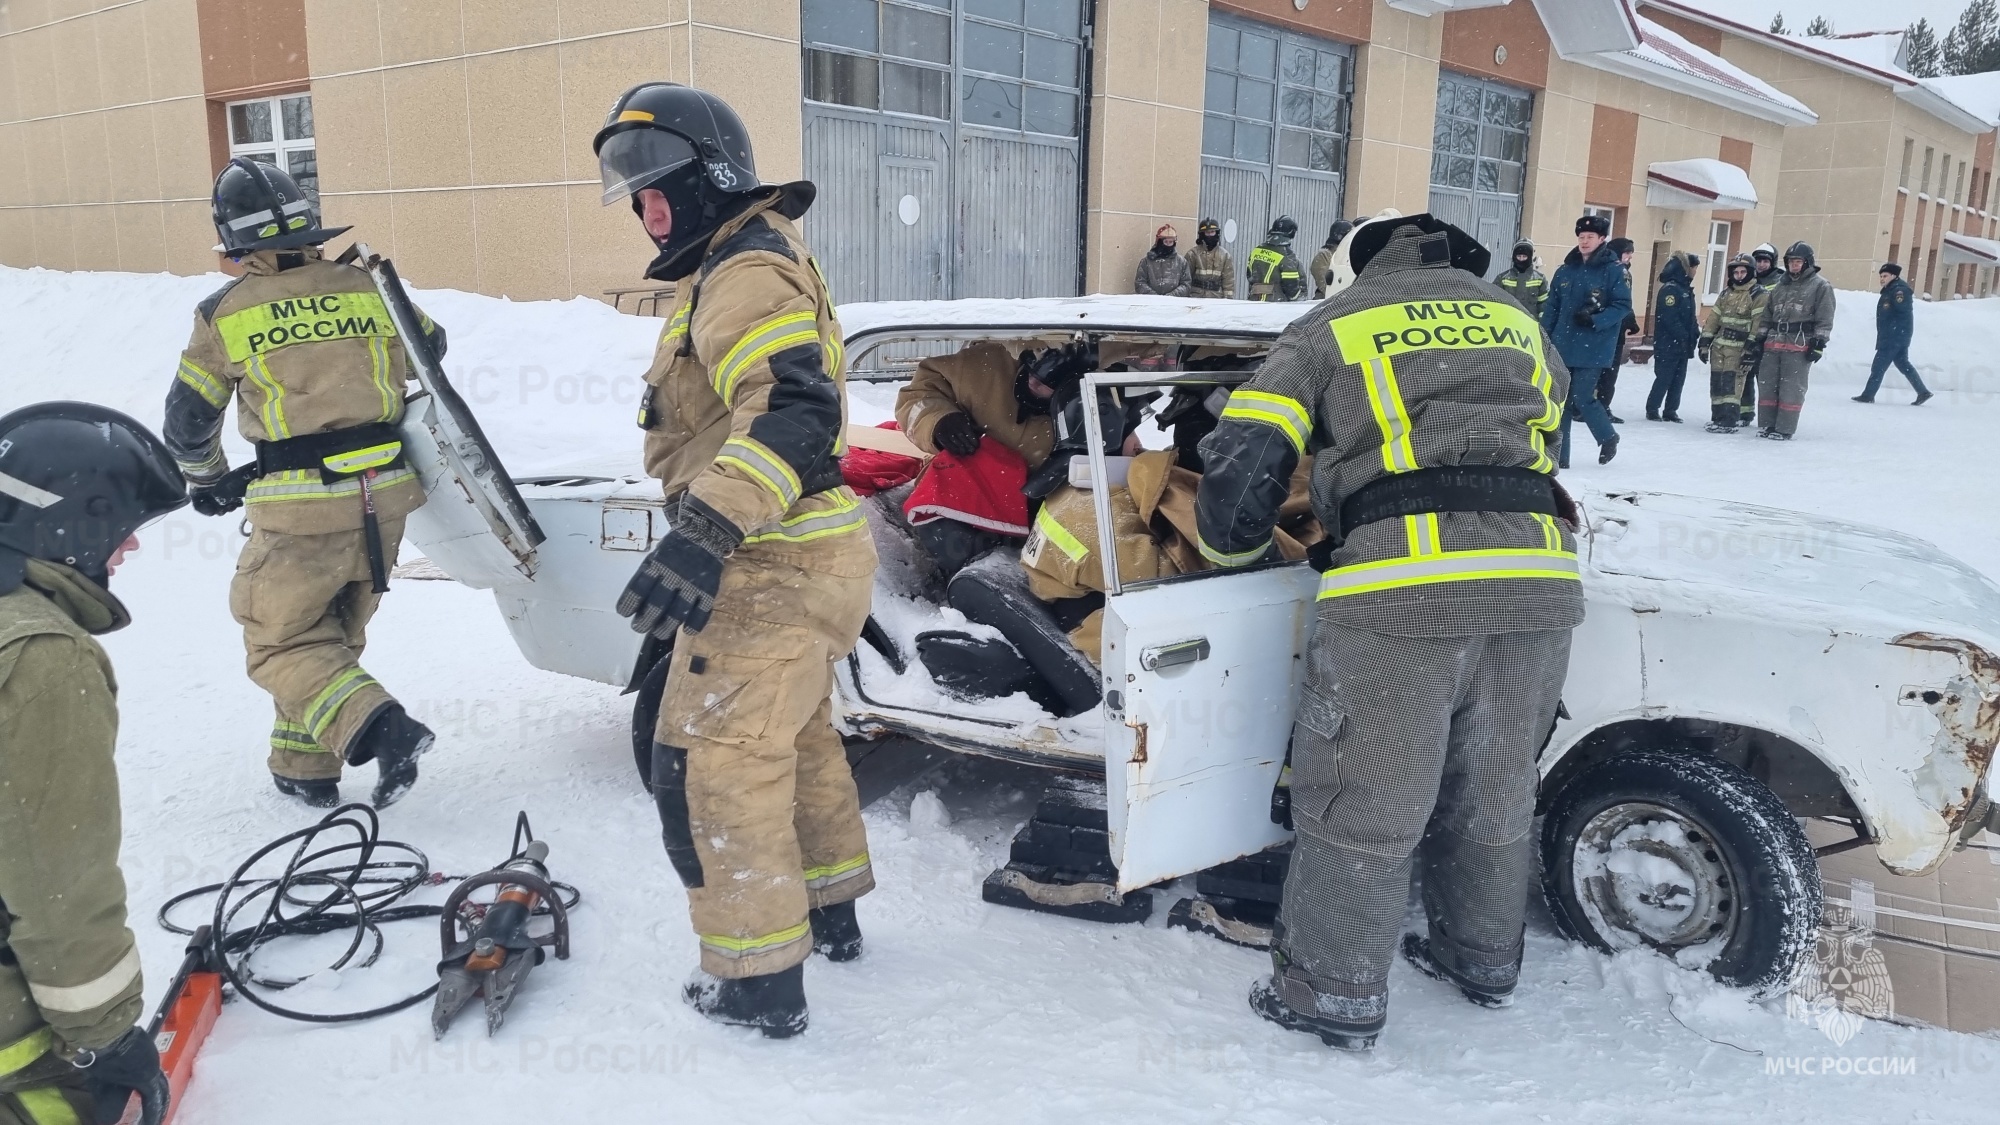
point(1322, 263)
point(1274, 270)
point(1608, 386)
point(1895, 322)
point(1161, 271)
point(1589, 300)
point(1211, 271)
point(1674, 333)
point(1523, 281)
point(1798, 322)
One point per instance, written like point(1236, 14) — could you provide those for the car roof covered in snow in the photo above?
point(1100, 312)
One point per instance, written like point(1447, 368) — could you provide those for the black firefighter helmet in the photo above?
point(691, 147)
point(258, 206)
point(76, 480)
point(1283, 230)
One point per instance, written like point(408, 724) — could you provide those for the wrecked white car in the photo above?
point(1740, 668)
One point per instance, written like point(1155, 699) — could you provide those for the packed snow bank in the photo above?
point(960, 1011)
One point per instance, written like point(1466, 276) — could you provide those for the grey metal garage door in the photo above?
point(943, 135)
point(1274, 133)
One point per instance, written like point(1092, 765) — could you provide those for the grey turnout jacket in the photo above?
point(1414, 366)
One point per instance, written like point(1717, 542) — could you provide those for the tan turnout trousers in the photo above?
point(768, 821)
point(304, 602)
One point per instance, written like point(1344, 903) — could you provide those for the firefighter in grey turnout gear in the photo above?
point(76, 482)
point(307, 348)
point(1426, 399)
point(1797, 322)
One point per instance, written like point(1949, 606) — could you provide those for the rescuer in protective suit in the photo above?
point(308, 349)
point(1764, 263)
point(1426, 399)
point(1523, 282)
point(1211, 271)
point(1322, 263)
point(76, 481)
point(1797, 322)
point(1274, 270)
point(762, 581)
point(1162, 271)
point(1732, 337)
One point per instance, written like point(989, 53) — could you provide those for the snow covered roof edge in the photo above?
point(1827, 52)
point(1665, 59)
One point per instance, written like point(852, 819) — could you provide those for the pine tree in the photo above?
point(1819, 28)
point(1973, 46)
point(1778, 25)
point(1922, 45)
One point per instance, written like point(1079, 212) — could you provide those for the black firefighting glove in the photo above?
point(1702, 346)
point(676, 585)
point(224, 494)
point(1753, 353)
point(956, 434)
point(111, 1075)
point(1815, 348)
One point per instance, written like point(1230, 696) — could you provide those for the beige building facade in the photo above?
point(1889, 169)
point(963, 147)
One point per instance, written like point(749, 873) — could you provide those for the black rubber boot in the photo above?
point(1923, 398)
point(394, 741)
point(1652, 415)
point(1339, 1034)
point(1417, 951)
point(1863, 398)
point(1670, 416)
point(316, 792)
point(1607, 451)
point(836, 932)
point(774, 1003)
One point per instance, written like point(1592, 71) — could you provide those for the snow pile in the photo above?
point(959, 1010)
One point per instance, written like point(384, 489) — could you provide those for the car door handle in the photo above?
point(1167, 656)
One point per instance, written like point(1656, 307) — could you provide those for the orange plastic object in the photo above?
point(185, 1030)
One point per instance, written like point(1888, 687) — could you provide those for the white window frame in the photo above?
point(279, 147)
point(1610, 216)
point(1717, 257)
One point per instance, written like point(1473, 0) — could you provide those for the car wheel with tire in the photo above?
point(1688, 855)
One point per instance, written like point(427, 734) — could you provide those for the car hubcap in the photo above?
point(1646, 875)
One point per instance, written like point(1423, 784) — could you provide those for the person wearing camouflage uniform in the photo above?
point(762, 582)
point(76, 481)
point(1162, 272)
point(1211, 271)
point(1732, 336)
point(308, 350)
point(1797, 323)
point(1426, 399)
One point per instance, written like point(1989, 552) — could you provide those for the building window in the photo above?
point(1958, 190)
point(1610, 214)
point(1925, 187)
point(278, 131)
point(1480, 138)
point(1944, 178)
point(1272, 97)
point(1909, 154)
point(1717, 258)
point(1020, 63)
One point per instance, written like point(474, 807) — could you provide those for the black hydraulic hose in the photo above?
point(358, 883)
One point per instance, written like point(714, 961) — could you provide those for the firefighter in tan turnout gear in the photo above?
point(1426, 399)
point(1732, 339)
point(76, 481)
point(307, 348)
point(763, 580)
point(1211, 271)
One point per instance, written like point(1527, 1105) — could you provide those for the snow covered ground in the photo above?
point(960, 1011)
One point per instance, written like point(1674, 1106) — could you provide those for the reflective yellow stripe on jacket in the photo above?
point(1372, 339)
point(842, 514)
